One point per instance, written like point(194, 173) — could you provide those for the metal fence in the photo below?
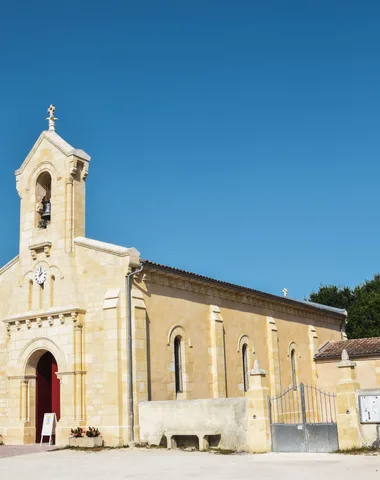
point(303, 404)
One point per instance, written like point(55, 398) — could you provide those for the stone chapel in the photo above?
point(89, 329)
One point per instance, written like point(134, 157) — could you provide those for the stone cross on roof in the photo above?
point(51, 118)
point(285, 292)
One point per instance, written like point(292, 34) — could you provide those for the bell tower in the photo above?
point(51, 186)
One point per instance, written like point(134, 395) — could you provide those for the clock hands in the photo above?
point(40, 275)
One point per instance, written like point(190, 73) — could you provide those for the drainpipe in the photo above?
point(129, 349)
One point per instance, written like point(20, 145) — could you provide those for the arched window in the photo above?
point(43, 199)
point(52, 290)
point(178, 365)
point(244, 353)
point(30, 294)
point(41, 289)
point(294, 367)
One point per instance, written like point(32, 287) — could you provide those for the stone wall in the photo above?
point(215, 329)
point(228, 416)
point(352, 432)
point(367, 372)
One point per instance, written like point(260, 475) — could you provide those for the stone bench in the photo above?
point(201, 434)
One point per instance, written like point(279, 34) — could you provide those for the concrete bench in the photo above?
point(201, 434)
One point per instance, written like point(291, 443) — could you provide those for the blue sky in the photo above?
point(236, 139)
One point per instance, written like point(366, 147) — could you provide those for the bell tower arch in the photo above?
point(51, 184)
point(43, 197)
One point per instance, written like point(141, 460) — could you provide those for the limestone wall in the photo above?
point(367, 373)
point(228, 416)
point(352, 432)
point(267, 332)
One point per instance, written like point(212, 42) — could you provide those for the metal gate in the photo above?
point(303, 419)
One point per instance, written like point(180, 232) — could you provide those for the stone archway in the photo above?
point(40, 361)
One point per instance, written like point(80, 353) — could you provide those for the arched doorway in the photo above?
point(47, 390)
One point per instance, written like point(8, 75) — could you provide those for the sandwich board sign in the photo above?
point(48, 427)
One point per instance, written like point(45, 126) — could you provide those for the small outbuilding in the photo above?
point(364, 351)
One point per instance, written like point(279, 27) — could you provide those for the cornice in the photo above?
point(39, 316)
point(37, 247)
point(9, 265)
point(40, 245)
point(235, 294)
point(106, 247)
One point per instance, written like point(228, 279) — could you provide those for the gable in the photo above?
point(59, 143)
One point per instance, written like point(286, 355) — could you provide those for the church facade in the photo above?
point(89, 329)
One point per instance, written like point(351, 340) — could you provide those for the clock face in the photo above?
point(40, 275)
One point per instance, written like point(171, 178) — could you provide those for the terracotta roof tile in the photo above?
point(358, 347)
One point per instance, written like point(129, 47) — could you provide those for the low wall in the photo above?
point(227, 415)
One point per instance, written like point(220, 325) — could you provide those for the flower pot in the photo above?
point(86, 442)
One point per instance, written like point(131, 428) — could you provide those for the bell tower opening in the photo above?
point(43, 198)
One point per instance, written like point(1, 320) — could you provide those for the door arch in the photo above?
point(47, 390)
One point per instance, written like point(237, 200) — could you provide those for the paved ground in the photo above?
point(13, 450)
point(176, 465)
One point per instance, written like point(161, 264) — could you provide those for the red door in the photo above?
point(47, 391)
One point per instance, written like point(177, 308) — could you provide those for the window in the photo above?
point(294, 369)
point(43, 198)
point(178, 365)
point(244, 353)
point(41, 288)
point(30, 294)
point(52, 290)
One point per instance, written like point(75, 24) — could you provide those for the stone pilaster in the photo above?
point(113, 407)
point(140, 360)
point(69, 216)
point(313, 349)
point(78, 368)
point(217, 354)
point(72, 386)
point(258, 431)
point(348, 415)
point(24, 401)
point(273, 357)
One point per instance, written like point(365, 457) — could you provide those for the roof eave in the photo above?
point(300, 304)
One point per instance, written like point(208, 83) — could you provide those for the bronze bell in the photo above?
point(47, 211)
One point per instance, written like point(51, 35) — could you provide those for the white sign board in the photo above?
point(48, 427)
point(369, 408)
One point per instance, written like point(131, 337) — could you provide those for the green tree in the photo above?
point(362, 304)
point(333, 296)
point(364, 313)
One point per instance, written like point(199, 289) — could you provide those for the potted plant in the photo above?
point(89, 438)
point(93, 438)
point(76, 437)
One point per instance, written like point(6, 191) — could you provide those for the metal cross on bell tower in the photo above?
point(51, 118)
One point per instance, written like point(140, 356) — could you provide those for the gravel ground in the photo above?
point(173, 465)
